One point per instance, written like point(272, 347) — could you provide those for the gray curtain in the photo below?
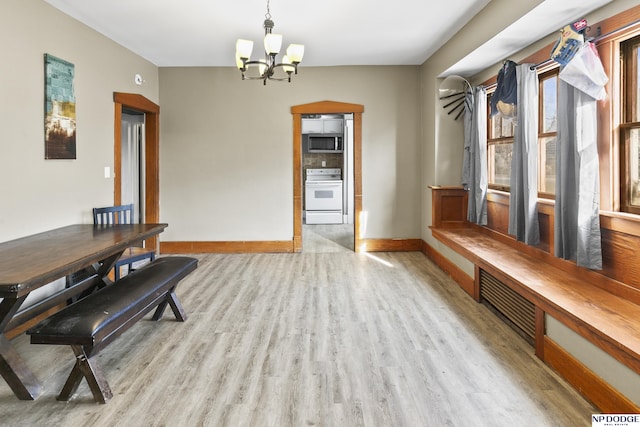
point(577, 210)
point(523, 208)
point(474, 168)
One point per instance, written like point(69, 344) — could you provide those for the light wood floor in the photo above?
point(323, 238)
point(311, 339)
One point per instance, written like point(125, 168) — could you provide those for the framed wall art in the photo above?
point(60, 109)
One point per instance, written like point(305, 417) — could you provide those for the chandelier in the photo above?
point(268, 68)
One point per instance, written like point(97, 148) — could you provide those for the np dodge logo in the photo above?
point(615, 420)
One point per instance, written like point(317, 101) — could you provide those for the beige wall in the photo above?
point(227, 150)
point(40, 194)
point(225, 144)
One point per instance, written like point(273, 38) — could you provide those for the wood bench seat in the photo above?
point(91, 323)
point(602, 310)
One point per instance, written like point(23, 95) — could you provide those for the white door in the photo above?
point(132, 190)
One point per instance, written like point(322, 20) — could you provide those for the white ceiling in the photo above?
point(334, 32)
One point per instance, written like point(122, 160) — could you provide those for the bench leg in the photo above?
point(176, 307)
point(86, 368)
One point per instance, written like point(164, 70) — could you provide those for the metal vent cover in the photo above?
point(512, 307)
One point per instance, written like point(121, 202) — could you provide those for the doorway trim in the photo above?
point(152, 155)
point(326, 107)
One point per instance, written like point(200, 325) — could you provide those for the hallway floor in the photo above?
point(325, 238)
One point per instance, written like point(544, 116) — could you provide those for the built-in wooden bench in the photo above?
point(602, 310)
point(93, 322)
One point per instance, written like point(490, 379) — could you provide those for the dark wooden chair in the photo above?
point(122, 214)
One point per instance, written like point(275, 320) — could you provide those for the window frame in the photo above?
point(551, 71)
point(630, 116)
point(491, 141)
point(544, 72)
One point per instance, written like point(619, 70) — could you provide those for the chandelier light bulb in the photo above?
point(262, 67)
point(295, 52)
point(287, 64)
point(272, 43)
point(244, 48)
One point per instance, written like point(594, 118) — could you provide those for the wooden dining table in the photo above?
point(39, 260)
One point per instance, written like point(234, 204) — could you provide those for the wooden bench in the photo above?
point(601, 310)
point(93, 322)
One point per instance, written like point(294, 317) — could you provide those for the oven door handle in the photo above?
point(324, 183)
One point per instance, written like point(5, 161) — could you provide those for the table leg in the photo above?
point(21, 380)
point(101, 269)
point(14, 371)
point(105, 266)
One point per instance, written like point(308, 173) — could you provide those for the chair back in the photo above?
point(122, 214)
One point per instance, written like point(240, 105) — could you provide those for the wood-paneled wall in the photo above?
point(620, 233)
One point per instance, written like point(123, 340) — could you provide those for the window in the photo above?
point(630, 128)
point(547, 133)
point(500, 140)
point(499, 149)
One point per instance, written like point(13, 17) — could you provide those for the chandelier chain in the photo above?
point(268, 14)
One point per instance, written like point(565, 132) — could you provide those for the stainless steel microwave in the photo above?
point(324, 144)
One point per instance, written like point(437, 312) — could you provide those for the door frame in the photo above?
point(152, 155)
point(326, 107)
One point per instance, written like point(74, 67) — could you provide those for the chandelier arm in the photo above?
point(285, 66)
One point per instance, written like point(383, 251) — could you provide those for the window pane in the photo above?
point(496, 126)
point(630, 134)
point(547, 165)
point(502, 127)
point(634, 166)
point(637, 85)
point(500, 164)
point(508, 127)
point(549, 106)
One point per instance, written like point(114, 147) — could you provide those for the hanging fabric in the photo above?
point(505, 97)
point(474, 167)
point(577, 207)
point(585, 72)
point(570, 41)
point(523, 210)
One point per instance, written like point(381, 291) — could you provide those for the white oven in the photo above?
point(323, 196)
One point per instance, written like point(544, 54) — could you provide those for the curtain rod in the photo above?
point(590, 39)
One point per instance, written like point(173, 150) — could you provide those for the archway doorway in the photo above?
point(152, 155)
point(326, 107)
